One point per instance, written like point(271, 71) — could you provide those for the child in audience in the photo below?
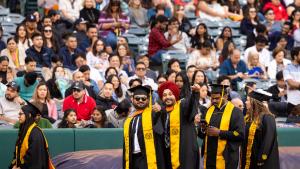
point(69, 120)
point(99, 119)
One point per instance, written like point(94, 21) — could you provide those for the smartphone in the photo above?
point(203, 121)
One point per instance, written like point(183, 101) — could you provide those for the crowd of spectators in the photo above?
point(73, 62)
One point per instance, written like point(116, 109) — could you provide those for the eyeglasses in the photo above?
point(47, 30)
point(271, 13)
point(76, 90)
point(138, 98)
point(140, 69)
point(252, 11)
point(20, 114)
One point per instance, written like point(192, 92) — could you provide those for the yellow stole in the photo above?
point(224, 126)
point(251, 136)
point(175, 135)
point(148, 138)
point(25, 146)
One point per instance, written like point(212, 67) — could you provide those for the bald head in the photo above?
point(236, 56)
point(237, 102)
point(78, 76)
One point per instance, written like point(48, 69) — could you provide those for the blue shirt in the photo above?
point(152, 12)
point(26, 92)
point(68, 58)
point(42, 58)
point(227, 69)
point(2, 45)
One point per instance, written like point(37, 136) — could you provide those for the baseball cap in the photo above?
point(30, 18)
point(80, 20)
point(78, 85)
point(13, 85)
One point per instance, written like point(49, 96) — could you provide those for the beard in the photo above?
point(169, 102)
point(9, 98)
point(140, 106)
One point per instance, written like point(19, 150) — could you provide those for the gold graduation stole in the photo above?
point(25, 146)
point(251, 136)
point(175, 135)
point(224, 125)
point(148, 138)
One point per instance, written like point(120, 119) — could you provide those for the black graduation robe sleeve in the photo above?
point(190, 106)
point(269, 135)
point(37, 155)
point(236, 127)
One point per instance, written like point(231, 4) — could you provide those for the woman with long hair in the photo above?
point(31, 145)
point(119, 88)
point(116, 62)
point(249, 22)
point(199, 77)
point(260, 148)
point(227, 50)
point(16, 57)
point(92, 57)
point(182, 81)
point(22, 38)
point(138, 14)
point(226, 35)
point(42, 100)
point(200, 36)
point(69, 120)
point(127, 65)
point(99, 119)
point(184, 23)
point(113, 23)
point(50, 40)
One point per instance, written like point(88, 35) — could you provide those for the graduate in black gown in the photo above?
point(260, 148)
point(178, 118)
point(222, 130)
point(31, 147)
point(143, 130)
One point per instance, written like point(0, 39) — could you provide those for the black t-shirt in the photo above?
point(3, 77)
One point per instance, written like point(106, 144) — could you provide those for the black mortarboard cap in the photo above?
point(260, 95)
point(140, 90)
point(29, 108)
point(217, 88)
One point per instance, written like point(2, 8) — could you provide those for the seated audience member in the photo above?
point(255, 69)
point(237, 102)
point(30, 66)
point(10, 104)
point(42, 55)
point(278, 63)
point(270, 23)
point(127, 64)
point(260, 30)
point(170, 75)
point(50, 39)
point(69, 120)
point(85, 69)
point(105, 97)
point(190, 72)
point(27, 84)
point(227, 50)
point(260, 48)
point(80, 102)
point(158, 44)
point(112, 23)
point(212, 11)
point(119, 88)
point(80, 28)
point(182, 82)
point(89, 12)
point(16, 57)
point(161, 79)
point(41, 99)
point(225, 80)
point(90, 38)
point(199, 77)
point(95, 58)
point(99, 119)
point(68, 52)
point(249, 22)
point(279, 10)
point(149, 73)
point(204, 99)
point(173, 32)
point(226, 35)
point(133, 83)
point(70, 10)
point(4, 61)
point(234, 68)
point(137, 14)
point(118, 115)
point(200, 36)
point(276, 36)
point(184, 22)
point(140, 73)
point(115, 61)
point(279, 90)
point(174, 64)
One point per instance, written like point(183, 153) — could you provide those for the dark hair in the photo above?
point(9, 39)
point(172, 61)
point(247, 13)
point(169, 72)
point(205, 44)
point(260, 28)
point(29, 59)
point(64, 123)
point(89, 26)
point(118, 90)
point(161, 76)
point(186, 88)
point(94, 50)
point(46, 17)
point(261, 39)
point(103, 115)
point(17, 37)
point(55, 59)
point(222, 33)
point(84, 68)
point(127, 49)
point(79, 55)
point(54, 70)
point(69, 35)
point(288, 23)
point(108, 7)
point(36, 34)
point(191, 66)
point(4, 58)
point(267, 10)
point(123, 107)
point(294, 52)
point(195, 41)
point(140, 63)
point(279, 75)
point(225, 51)
point(194, 76)
point(111, 56)
point(161, 19)
point(53, 39)
point(233, 7)
point(173, 19)
point(135, 80)
point(108, 69)
point(221, 78)
point(293, 14)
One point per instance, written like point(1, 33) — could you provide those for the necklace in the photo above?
point(92, 16)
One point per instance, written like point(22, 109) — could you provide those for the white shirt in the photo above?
point(146, 81)
point(183, 44)
point(68, 7)
point(264, 55)
point(292, 72)
point(9, 109)
point(137, 148)
point(272, 67)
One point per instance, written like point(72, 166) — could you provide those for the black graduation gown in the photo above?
point(189, 149)
point(231, 151)
point(265, 142)
point(36, 156)
point(158, 142)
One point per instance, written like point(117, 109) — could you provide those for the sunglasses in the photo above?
point(76, 90)
point(141, 69)
point(137, 98)
point(47, 30)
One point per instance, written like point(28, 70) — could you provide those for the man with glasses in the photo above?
point(140, 73)
point(80, 102)
point(143, 146)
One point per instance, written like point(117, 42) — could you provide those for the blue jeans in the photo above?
point(157, 57)
point(111, 40)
